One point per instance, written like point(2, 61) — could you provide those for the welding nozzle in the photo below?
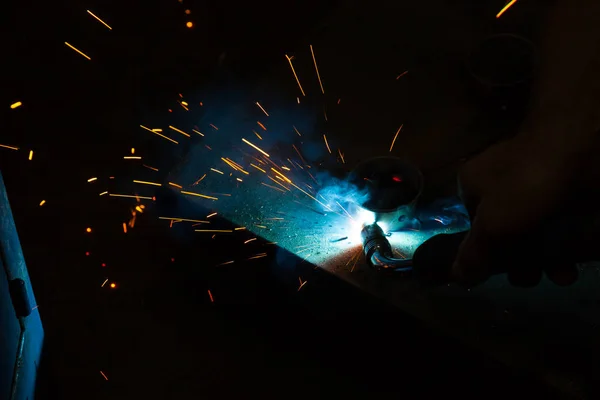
point(373, 239)
point(378, 250)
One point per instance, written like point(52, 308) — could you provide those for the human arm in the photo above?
point(515, 187)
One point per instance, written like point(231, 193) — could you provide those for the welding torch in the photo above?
point(431, 262)
point(378, 250)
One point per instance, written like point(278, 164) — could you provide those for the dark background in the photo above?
point(158, 335)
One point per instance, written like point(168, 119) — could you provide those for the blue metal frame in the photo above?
point(28, 346)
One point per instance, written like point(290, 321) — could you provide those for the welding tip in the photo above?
point(378, 250)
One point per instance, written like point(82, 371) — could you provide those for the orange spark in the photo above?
point(88, 230)
point(199, 133)
point(401, 75)
point(295, 76)
point(257, 135)
point(132, 158)
point(312, 197)
point(77, 51)
point(213, 230)
point(199, 195)
point(258, 256)
point(296, 131)
point(9, 147)
point(184, 219)
point(176, 185)
point(261, 107)
point(258, 168)
point(278, 183)
point(99, 20)
point(230, 164)
point(199, 180)
point(179, 130)
point(254, 146)
point(238, 166)
point(355, 261)
point(103, 193)
point(103, 283)
point(341, 156)
point(15, 105)
point(156, 133)
point(285, 178)
point(249, 240)
point(300, 155)
point(211, 215)
point(506, 7)
point(316, 68)
point(217, 171)
point(132, 196)
point(112, 286)
point(103, 375)
point(189, 24)
point(212, 300)
point(42, 203)
point(395, 136)
point(124, 227)
point(327, 144)
point(149, 167)
point(216, 129)
point(147, 183)
point(261, 125)
point(92, 179)
point(357, 254)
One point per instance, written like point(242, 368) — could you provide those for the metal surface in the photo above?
point(442, 124)
point(23, 335)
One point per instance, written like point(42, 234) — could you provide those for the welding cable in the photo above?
point(379, 251)
point(385, 262)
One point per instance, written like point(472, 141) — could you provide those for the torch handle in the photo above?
point(433, 259)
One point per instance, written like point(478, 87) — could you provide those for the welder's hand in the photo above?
point(510, 191)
